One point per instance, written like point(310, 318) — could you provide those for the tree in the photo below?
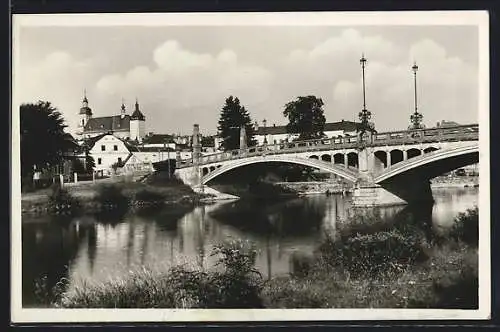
point(43, 137)
point(233, 116)
point(77, 166)
point(90, 163)
point(306, 117)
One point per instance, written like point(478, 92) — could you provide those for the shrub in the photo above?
point(112, 197)
point(61, 199)
point(466, 227)
point(150, 196)
point(240, 283)
point(372, 255)
point(237, 285)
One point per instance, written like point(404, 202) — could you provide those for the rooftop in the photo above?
point(330, 126)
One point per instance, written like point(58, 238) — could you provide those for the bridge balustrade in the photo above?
point(430, 135)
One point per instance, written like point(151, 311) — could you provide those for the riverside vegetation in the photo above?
point(398, 267)
point(157, 191)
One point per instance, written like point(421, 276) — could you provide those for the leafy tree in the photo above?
point(233, 116)
point(306, 117)
point(77, 166)
point(43, 138)
point(90, 163)
point(207, 141)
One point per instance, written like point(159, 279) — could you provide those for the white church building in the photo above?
point(125, 126)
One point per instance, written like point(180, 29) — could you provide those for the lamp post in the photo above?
point(364, 115)
point(416, 117)
point(168, 155)
point(265, 131)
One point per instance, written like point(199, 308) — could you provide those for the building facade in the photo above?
point(278, 134)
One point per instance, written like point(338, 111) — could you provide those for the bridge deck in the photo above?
point(409, 137)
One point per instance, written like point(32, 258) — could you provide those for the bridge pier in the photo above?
point(370, 195)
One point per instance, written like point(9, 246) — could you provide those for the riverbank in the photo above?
point(455, 182)
point(405, 269)
point(94, 197)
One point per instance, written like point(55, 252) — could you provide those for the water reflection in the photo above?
point(285, 232)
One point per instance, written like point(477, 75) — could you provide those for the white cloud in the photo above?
point(179, 86)
point(184, 82)
point(53, 78)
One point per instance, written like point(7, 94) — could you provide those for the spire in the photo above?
point(137, 115)
point(85, 109)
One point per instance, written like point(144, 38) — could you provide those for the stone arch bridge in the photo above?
point(385, 168)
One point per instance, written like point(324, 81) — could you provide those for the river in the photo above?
point(85, 249)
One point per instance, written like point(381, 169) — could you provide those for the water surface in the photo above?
point(90, 249)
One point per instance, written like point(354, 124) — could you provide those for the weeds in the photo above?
point(466, 227)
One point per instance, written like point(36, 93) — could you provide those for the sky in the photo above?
point(181, 75)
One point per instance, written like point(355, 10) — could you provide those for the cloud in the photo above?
point(178, 86)
point(184, 82)
point(446, 85)
point(53, 78)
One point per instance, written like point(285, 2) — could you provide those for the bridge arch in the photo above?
point(381, 155)
point(430, 149)
point(204, 171)
point(338, 158)
point(326, 157)
point(314, 157)
point(413, 152)
point(433, 164)
point(352, 159)
point(396, 156)
point(340, 171)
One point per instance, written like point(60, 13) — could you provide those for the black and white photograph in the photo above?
point(183, 164)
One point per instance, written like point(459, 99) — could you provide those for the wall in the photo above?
point(137, 130)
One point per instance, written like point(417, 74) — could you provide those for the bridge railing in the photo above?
point(431, 135)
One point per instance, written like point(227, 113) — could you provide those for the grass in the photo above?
point(383, 269)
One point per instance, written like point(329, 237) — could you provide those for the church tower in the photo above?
point(137, 124)
point(85, 113)
point(123, 111)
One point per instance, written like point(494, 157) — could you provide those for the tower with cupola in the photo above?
point(137, 124)
point(85, 113)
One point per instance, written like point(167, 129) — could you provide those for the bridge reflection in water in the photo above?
point(88, 249)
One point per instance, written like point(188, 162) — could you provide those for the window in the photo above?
point(103, 147)
point(99, 161)
point(119, 160)
point(115, 147)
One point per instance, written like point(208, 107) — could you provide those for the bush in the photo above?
point(381, 254)
point(112, 197)
point(150, 196)
point(466, 227)
point(237, 285)
point(61, 200)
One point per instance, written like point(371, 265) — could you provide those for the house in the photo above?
point(158, 141)
point(444, 124)
point(278, 134)
point(107, 150)
point(123, 125)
